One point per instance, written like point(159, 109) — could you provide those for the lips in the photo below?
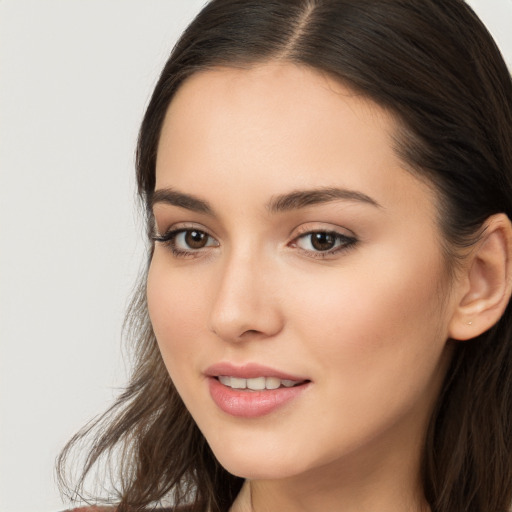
point(250, 371)
point(252, 390)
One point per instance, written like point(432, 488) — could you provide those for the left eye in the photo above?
point(323, 241)
point(192, 239)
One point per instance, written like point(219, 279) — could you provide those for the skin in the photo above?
point(367, 325)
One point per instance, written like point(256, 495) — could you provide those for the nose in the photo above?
point(245, 305)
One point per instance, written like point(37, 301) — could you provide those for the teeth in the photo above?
point(237, 383)
point(272, 382)
point(257, 383)
point(225, 380)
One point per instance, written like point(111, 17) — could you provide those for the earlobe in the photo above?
point(486, 283)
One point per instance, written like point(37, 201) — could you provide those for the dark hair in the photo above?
point(434, 66)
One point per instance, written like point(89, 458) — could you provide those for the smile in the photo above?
point(253, 390)
point(257, 383)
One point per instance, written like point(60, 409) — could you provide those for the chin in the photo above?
point(257, 462)
point(256, 470)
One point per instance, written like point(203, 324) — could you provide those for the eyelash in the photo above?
point(342, 243)
point(169, 240)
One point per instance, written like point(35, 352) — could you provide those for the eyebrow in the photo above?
point(282, 203)
point(303, 198)
point(182, 200)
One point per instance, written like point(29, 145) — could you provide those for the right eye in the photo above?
point(186, 242)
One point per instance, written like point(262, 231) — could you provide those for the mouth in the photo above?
point(253, 390)
point(258, 383)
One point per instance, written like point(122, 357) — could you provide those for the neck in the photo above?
point(379, 480)
point(286, 496)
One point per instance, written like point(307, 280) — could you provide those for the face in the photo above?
point(297, 289)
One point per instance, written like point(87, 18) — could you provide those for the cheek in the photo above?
point(175, 304)
point(369, 299)
point(376, 324)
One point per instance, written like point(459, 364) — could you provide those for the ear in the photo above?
point(486, 283)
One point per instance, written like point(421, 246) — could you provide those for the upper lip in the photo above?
point(249, 371)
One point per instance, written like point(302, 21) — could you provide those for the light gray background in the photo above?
point(75, 76)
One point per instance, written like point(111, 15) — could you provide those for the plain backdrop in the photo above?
point(75, 76)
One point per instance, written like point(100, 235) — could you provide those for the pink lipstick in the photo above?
point(252, 390)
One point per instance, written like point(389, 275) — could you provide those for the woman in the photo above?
point(324, 324)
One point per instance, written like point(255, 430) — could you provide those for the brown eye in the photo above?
point(323, 241)
point(195, 239)
point(184, 243)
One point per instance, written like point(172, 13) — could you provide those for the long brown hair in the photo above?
point(434, 65)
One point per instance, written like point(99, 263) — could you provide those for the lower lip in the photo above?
point(251, 404)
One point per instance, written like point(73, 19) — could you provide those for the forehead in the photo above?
point(255, 99)
point(275, 127)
